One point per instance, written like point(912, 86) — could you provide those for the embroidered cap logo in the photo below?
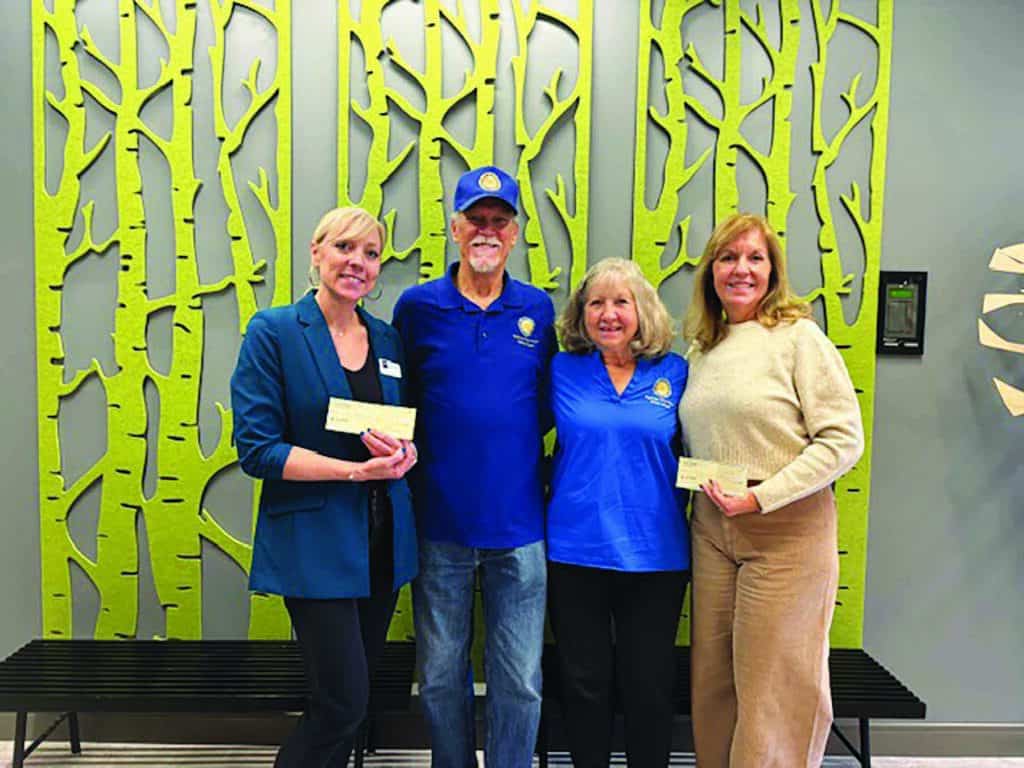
point(489, 182)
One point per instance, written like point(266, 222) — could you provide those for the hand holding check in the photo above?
point(724, 484)
point(386, 431)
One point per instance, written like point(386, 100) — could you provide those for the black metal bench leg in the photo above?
point(847, 743)
point(74, 735)
point(542, 742)
point(20, 727)
point(865, 742)
point(359, 748)
point(371, 735)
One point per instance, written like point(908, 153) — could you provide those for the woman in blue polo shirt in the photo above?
point(335, 533)
point(618, 545)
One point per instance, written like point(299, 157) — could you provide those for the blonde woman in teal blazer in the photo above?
point(335, 533)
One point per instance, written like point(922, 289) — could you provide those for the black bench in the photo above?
point(229, 676)
point(861, 689)
point(240, 676)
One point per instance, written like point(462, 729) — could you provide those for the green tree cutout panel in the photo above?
point(655, 227)
point(176, 522)
point(363, 33)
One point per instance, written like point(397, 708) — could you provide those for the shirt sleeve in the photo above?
point(257, 403)
point(550, 347)
point(679, 446)
point(831, 415)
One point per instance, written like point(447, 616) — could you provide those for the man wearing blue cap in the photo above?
point(477, 347)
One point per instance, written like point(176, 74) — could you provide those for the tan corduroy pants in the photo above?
point(764, 589)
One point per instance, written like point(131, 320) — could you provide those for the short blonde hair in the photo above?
point(349, 223)
point(706, 324)
point(654, 333)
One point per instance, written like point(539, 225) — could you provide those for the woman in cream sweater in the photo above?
point(767, 391)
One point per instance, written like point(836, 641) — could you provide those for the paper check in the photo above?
point(355, 417)
point(694, 472)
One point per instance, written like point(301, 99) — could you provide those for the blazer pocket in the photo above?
point(274, 504)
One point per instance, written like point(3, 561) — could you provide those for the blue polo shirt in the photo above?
point(478, 378)
point(614, 502)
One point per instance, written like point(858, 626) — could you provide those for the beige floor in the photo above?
point(56, 755)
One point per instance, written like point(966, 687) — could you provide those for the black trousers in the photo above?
point(341, 642)
point(615, 634)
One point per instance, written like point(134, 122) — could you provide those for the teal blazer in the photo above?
point(311, 537)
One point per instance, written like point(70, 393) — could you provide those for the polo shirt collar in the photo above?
point(643, 364)
point(450, 298)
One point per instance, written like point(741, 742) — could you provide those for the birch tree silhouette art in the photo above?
point(176, 520)
point(661, 242)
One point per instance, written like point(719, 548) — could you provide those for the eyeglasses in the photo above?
point(484, 222)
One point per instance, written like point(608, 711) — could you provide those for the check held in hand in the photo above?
point(356, 417)
point(693, 473)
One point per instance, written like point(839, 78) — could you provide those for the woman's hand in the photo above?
point(410, 454)
point(731, 506)
point(379, 443)
point(391, 459)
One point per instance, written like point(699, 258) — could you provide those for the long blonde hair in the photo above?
point(654, 324)
point(349, 223)
point(706, 324)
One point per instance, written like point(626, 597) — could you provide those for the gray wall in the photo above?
point(945, 569)
point(946, 542)
point(19, 544)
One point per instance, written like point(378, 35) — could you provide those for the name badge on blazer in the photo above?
point(390, 368)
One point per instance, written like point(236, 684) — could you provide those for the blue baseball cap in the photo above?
point(488, 181)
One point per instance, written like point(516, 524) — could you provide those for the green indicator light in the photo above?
point(901, 293)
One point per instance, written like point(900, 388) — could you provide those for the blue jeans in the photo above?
point(513, 584)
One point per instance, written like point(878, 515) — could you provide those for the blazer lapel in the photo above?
point(321, 347)
point(390, 386)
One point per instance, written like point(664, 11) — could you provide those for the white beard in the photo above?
point(484, 265)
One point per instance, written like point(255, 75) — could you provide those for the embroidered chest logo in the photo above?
point(661, 393)
point(526, 326)
point(489, 182)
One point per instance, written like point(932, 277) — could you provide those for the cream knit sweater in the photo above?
point(778, 401)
